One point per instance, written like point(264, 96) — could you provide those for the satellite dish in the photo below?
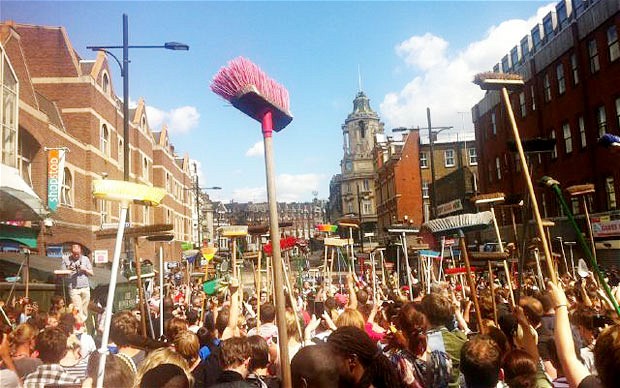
point(582, 268)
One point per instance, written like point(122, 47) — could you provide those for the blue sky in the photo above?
point(412, 55)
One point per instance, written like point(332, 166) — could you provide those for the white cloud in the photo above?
point(442, 80)
point(289, 188)
point(258, 149)
point(179, 120)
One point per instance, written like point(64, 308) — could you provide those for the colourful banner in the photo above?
point(606, 226)
point(55, 176)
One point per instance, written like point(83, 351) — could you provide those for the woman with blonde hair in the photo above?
point(159, 357)
point(22, 341)
point(351, 317)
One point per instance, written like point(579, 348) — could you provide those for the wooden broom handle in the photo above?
point(470, 281)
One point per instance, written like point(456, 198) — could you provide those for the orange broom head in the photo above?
point(576, 190)
point(251, 91)
point(494, 81)
point(488, 198)
point(488, 256)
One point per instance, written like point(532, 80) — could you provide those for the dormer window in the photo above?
point(105, 83)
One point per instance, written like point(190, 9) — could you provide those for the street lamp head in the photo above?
point(213, 188)
point(176, 46)
point(496, 81)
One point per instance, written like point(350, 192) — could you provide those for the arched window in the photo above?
point(106, 83)
point(143, 124)
point(104, 144)
point(66, 193)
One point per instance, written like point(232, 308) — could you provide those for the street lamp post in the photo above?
point(125, 74)
point(197, 193)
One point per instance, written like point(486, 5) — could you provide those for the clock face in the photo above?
point(348, 166)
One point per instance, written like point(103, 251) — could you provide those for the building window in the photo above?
point(423, 160)
point(498, 168)
point(611, 193)
point(362, 129)
point(574, 68)
point(24, 157)
point(8, 114)
point(366, 185)
point(66, 192)
point(366, 207)
point(348, 187)
point(350, 208)
point(168, 183)
point(582, 132)
point(525, 47)
point(543, 201)
point(145, 168)
point(424, 189)
point(612, 43)
point(104, 211)
point(574, 201)
point(601, 120)
point(533, 94)
point(143, 124)
point(106, 83)
point(547, 87)
point(559, 72)
point(104, 141)
point(121, 150)
point(593, 55)
point(522, 104)
point(494, 123)
point(448, 158)
point(514, 56)
point(618, 112)
point(146, 215)
point(517, 162)
point(568, 138)
point(554, 153)
point(490, 173)
point(473, 156)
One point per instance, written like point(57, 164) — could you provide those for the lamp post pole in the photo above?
point(124, 65)
point(431, 142)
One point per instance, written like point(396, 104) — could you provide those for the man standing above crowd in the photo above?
point(79, 286)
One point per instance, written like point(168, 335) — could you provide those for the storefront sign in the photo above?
point(606, 226)
point(100, 256)
point(55, 176)
point(449, 207)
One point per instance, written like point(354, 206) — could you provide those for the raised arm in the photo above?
point(575, 371)
point(352, 295)
point(231, 328)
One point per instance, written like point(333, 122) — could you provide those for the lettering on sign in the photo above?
point(449, 207)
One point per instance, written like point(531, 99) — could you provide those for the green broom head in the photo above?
point(251, 91)
point(461, 222)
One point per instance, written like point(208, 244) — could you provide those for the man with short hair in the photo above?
point(235, 354)
point(314, 366)
point(79, 286)
point(480, 362)
point(440, 314)
point(51, 344)
point(534, 312)
point(268, 329)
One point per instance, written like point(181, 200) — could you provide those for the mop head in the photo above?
point(488, 256)
point(463, 222)
point(488, 198)
point(576, 190)
point(493, 81)
point(251, 91)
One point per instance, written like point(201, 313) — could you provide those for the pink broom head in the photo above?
point(251, 91)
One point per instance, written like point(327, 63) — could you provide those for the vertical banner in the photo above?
point(55, 176)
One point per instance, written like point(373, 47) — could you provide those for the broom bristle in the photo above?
point(488, 198)
point(493, 80)
point(459, 222)
point(241, 74)
point(580, 189)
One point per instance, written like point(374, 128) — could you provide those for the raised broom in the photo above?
point(555, 187)
point(491, 199)
point(251, 91)
point(503, 82)
point(490, 257)
point(460, 224)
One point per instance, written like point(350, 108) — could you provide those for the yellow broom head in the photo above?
point(547, 223)
point(493, 81)
point(122, 191)
point(233, 230)
point(576, 190)
point(488, 198)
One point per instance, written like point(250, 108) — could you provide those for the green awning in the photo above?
point(20, 234)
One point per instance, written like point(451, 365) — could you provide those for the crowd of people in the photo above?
point(354, 334)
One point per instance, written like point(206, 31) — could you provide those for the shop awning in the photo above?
point(18, 201)
point(22, 235)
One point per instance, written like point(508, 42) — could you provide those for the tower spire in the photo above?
point(359, 77)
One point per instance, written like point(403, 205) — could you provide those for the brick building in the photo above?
point(398, 182)
point(571, 68)
point(456, 170)
point(66, 102)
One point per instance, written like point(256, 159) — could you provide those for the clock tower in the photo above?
point(358, 175)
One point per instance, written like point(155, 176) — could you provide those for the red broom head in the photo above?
point(251, 91)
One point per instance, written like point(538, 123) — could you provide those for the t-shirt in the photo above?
point(453, 342)
point(590, 381)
